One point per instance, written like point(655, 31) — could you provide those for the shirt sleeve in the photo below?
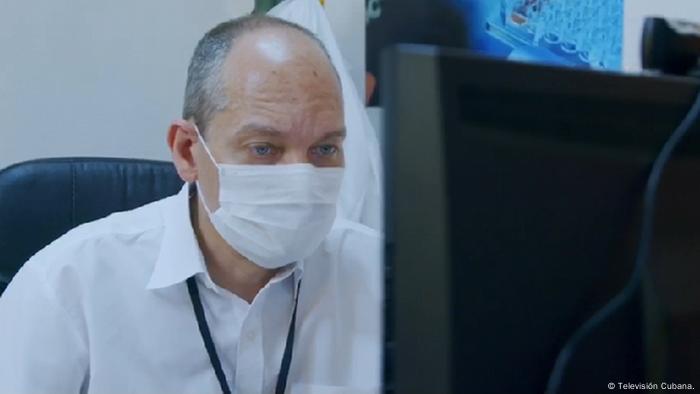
point(41, 350)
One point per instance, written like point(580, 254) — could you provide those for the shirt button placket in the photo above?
point(250, 357)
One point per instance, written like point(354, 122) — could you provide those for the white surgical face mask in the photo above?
point(274, 214)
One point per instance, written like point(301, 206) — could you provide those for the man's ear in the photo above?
point(181, 140)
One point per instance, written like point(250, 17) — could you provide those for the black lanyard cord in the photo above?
point(211, 349)
point(206, 334)
point(288, 347)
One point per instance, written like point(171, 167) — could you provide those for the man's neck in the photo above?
point(227, 268)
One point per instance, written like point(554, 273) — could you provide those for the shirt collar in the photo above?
point(295, 269)
point(180, 257)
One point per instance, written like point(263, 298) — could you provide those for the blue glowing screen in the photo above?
point(581, 33)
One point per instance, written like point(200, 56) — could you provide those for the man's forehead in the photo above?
point(279, 80)
point(275, 50)
point(273, 119)
point(274, 45)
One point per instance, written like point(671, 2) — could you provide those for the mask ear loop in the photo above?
point(204, 144)
point(200, 192)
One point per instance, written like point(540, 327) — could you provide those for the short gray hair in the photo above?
point(204, 92)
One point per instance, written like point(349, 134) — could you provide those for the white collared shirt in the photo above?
point(105, 309)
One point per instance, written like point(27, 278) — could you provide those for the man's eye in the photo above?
point(262, 150)
point(326, 150)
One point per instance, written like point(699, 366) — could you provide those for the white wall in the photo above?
point(105, 77)
point(97, 77)
point(637, 10)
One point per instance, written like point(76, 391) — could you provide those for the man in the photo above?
point(236, 284)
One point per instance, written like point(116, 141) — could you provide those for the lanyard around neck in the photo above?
point(211, 350)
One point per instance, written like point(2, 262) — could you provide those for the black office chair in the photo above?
point(42, 199)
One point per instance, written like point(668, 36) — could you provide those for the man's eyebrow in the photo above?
point(256, 129)
point(335, 134)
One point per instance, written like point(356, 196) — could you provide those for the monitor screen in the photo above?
point(512, 216)
point(582, 34)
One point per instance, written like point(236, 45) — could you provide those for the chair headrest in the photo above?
point(42, 199)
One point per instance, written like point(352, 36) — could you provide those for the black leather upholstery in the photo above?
point(42, 199)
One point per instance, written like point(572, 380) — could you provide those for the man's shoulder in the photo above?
point(354, 246)
point(349, 272)
point(344, 228)
point(100, 239)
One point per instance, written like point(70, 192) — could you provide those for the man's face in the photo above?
point(285, 106)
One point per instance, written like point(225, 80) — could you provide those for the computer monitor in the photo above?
point(512, 216)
